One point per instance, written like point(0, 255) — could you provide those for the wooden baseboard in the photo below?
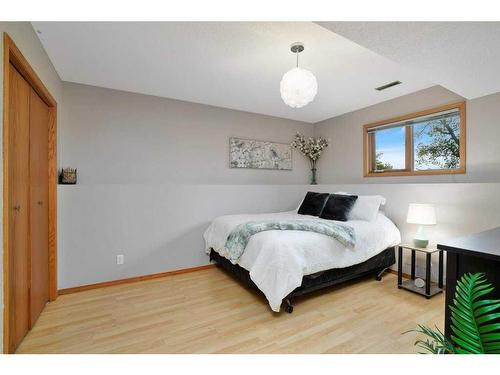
point(132, 279)
point(153, 276)
point(405, 275)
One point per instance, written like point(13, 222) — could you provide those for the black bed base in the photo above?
point(376, 265)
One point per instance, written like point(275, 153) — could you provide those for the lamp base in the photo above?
point(420, 243)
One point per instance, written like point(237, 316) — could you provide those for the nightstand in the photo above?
point(430, 288)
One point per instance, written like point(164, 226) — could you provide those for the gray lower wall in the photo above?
point(342, 162)
point(157, 227)
point(26, 40)
point(461, 209)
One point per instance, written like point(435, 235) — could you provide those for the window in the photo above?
point(427, 142)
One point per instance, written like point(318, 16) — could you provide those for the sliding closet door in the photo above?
point(18, 210)
point(39, 214)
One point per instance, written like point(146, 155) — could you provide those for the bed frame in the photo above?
point(376, 265)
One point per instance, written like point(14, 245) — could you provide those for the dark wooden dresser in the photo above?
point(478, 252)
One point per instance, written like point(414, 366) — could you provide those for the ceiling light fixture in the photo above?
point(298, 86)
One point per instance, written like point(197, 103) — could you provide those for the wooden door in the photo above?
point(29, 196)
point(18, 210)
point(39, 214)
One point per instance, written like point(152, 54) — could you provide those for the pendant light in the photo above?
point(298, 86)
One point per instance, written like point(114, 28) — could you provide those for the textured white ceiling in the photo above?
point(233, 65)
point(464, 57)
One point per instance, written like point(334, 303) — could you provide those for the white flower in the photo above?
point(311, 148)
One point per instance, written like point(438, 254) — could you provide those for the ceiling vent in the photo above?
point(380, 88)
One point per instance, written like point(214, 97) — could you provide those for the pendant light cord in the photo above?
point(297, 53)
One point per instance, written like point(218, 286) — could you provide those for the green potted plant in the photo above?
point(475, 321)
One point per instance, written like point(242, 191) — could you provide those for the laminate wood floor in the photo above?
point(210, 312)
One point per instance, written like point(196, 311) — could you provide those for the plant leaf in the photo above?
point(489, 328)
point(474, 321)
point(439, 344)
point(485, 309)
point(471, 316)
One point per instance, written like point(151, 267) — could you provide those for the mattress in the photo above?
point(278, 260)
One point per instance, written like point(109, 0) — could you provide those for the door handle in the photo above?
point(17, 208)
point(39, 203)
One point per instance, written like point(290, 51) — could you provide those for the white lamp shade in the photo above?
point(298, 87)
point(423, 214)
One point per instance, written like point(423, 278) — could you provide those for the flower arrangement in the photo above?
point(310, 148)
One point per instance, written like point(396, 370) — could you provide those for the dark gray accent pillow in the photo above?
point(313, 203)
point(337, 207)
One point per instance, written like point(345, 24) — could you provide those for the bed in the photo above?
point(286, 264)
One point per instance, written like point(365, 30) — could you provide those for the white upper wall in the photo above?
point(115, 137)
point(342, 161)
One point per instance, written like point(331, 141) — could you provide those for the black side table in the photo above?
point(430, 288)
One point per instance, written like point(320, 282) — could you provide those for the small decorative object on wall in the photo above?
point(312, 149)
point(67, 176)
point(249, 153)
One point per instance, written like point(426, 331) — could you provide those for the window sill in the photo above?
point(432, 172)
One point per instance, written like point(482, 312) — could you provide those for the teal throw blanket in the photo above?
point(239, 237)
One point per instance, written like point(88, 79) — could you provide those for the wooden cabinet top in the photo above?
point(483, 244)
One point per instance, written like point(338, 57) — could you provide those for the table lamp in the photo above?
point(421, 214)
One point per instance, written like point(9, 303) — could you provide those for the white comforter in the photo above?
point(278, 260)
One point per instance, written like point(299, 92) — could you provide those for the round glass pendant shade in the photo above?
point(298, 87)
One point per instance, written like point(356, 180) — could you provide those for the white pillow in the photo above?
point(366, 207)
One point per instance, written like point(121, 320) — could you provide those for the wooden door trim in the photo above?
point(12, 55)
